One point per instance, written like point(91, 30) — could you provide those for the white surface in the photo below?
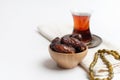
point(24, 53)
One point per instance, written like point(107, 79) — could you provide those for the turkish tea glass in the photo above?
point(81, 26)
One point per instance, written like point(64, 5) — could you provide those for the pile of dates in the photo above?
point(70, 43)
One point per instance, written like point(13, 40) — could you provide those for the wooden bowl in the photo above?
point(67, 60)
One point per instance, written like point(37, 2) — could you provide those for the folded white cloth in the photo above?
point(52, 31)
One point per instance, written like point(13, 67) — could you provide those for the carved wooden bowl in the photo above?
point(67, 60)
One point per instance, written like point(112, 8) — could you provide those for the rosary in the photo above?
point(100, 53)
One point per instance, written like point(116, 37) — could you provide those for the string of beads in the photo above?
point(100, 53)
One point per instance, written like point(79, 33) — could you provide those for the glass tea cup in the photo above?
point(81, 22)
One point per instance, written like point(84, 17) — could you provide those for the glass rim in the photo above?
point(81, 13)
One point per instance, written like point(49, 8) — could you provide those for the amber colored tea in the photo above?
point(81, 26)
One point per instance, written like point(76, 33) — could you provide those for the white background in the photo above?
point(24, 53)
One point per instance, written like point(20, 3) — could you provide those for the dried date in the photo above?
point(70, 41)
point(56, 40)
point(74, 42)
point(77, 36)
point(57, 46)
point(63, 48)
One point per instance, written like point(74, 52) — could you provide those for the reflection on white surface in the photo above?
point(22, 49)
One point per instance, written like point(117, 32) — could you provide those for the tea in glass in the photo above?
point(81, 26)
